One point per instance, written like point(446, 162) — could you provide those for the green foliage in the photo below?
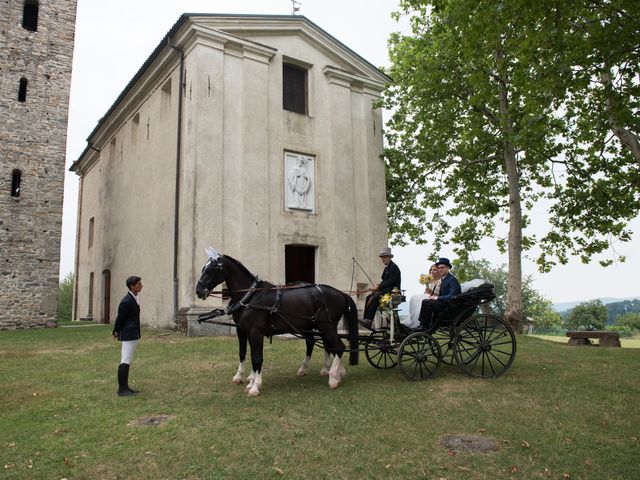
point(624, 330)
point(588, 316)
point(535, 306)
point(631, 320)
point(477, 83)
point(65, 298)
point(620, 308)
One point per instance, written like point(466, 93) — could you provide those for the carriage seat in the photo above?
point(463, 305)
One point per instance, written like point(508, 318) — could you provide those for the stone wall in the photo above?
point(33, 141)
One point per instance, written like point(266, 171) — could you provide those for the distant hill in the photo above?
point(565, 306)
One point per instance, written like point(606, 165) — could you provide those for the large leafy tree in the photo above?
point(479, 130)
point(588, 315)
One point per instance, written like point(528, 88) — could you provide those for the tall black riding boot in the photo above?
point(123, 381)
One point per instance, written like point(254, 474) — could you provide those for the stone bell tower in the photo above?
point(36, 53)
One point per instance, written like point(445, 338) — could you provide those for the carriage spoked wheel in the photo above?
point(419, 356)
point(445, 340)
point(380, 350)
point(485, 346)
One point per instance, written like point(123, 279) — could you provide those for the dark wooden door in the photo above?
point(106, 297)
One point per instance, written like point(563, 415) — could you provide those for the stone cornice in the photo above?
point(352, 81)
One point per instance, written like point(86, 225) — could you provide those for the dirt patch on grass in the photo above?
point(150, 420)
point(461, 443)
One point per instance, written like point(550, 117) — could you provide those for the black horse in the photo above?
point(260, 309)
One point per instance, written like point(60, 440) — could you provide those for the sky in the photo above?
point(113, 39)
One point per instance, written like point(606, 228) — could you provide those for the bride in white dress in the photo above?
point(415, 303)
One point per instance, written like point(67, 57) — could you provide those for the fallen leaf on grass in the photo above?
point(566, 475)
point(11, 445)
point(588, 462)
point(280, 472)
point(513, 469)
point(482, 430)
point(7, 466)
point(464, 469)
point(635, 439)
point(525, 444)
point(452, 453)
point(387, 466)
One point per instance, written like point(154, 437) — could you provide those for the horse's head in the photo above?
point(212, 274)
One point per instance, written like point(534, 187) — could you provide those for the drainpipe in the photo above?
point(176, 214)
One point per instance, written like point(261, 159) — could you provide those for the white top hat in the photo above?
point(386, 252)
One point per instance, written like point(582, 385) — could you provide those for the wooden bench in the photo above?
point(606, 339)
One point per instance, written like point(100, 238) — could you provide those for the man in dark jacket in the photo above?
point(127, 330)
point(390, 280)
point(449, 287)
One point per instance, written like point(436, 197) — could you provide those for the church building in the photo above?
point(36, 53)
point(256, 135)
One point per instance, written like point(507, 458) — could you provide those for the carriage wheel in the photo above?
point(485, 346)
point(380, 351)
point(419, 356)
point(445, 340)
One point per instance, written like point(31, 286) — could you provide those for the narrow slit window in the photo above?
point(22, 90)
point(16, 177)
point(30, 15)
point(91, 228)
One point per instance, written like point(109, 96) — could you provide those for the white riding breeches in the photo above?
point(128, 349)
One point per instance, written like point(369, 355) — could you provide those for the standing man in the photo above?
point(449, 287)
point(390, 280)
point(127, 330)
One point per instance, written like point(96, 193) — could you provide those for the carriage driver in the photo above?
point(390, 280)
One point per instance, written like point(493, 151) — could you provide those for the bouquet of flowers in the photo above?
point(385, 302)
point(425, 278)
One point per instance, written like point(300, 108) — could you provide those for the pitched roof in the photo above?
point(165, 43)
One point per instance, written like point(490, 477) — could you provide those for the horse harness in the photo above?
point(245, 302)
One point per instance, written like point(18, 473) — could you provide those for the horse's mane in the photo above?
point(241, 266)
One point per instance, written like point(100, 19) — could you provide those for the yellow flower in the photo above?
point(425, 278)
point(385, 301)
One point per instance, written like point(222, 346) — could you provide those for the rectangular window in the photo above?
point(294, 88)
point(91, 227)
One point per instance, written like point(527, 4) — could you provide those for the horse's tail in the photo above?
point(351, 322)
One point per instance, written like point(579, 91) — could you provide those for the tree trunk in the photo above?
point(513, 312)
point(626, 137)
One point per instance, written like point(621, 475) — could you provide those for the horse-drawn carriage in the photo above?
point(481, 344)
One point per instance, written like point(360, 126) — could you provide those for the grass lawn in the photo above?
point(558, 413)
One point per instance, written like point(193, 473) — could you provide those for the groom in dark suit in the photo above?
point(449, 287)
point(390, 280)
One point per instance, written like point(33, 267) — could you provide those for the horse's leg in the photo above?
point(307, 358)
point(256, 341)
point(334, 346)
point(337, 372)
point(326, 364)
point(242, 353)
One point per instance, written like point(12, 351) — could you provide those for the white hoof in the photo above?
point(254, 392)
point(334, 383)
point(302, 372)
point(324, 372)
